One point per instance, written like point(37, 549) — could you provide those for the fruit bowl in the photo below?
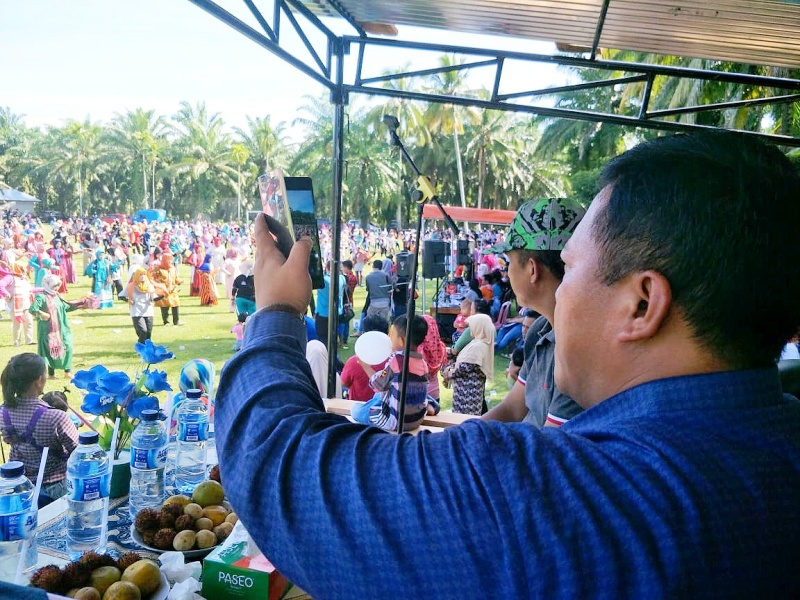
point(196, 553)
point(184, 522)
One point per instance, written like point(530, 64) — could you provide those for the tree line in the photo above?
point(192, 164)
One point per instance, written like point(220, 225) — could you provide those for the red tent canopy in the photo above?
point(471, 215)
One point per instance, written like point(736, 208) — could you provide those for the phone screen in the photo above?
point(303, 217)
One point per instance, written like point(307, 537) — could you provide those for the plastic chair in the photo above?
point(502, 315)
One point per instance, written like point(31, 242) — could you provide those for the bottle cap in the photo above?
point(12, 469)
point(88, 437)
point(194, 393)
point(149, 415)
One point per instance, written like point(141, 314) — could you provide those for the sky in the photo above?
point(94, 58)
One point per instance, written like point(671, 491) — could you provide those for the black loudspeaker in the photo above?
point(465, 248)
point(434, 253)
point(404, 264)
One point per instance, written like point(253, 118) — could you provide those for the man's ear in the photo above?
point(648, 298)
point(534, 270)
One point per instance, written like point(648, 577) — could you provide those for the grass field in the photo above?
point(107, 337)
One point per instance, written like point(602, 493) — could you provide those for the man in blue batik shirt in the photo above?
point(680, 479)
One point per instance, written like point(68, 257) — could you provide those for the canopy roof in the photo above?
point(752, 44)
point(764, 32)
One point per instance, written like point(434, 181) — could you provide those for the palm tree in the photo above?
point(240, 154)
point(266, 145)
point(450, 118)
point(75, 152)
point(314, 157)
point(202, 168)
point(138, 136)
point(412, 129)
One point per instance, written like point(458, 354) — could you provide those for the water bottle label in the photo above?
point(152, 458)
point(90, 488)
point(17, 526)
point(192, 432)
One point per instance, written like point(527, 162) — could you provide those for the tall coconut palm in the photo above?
point(450, 118)
point(240, 154)
point(203, 167)
point(314, 157)
point(412, 130)
point(266, 144)
point(75, 152)
point(138, 136)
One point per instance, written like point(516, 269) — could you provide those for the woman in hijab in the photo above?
point(435, 354)
point(317, 357)
point(53, 332)
point(164, 276)
point(208, 287)
point(474, 365)
point(100, 271)
point(141, 295)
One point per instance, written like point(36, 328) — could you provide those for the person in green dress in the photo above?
point(53, 332)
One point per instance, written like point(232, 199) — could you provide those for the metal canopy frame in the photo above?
point(326, 66)
point(339, 49)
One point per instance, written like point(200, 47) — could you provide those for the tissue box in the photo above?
point(231, 572)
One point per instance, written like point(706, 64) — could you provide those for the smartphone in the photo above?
point(303, 221)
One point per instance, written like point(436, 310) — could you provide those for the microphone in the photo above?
point(391, 122)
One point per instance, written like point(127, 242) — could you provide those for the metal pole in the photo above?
point(339, 99)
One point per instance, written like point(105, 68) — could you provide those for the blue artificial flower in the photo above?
point(114, 383)
point(87, 380)
point(156, 381)
point(97, 404)
point(152, 354)
point(141, 403)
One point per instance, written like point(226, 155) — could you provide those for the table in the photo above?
point(445, 319)
point(52, 532)
point(444, 310)
point(429, 422)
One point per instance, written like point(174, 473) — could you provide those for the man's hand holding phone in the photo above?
point(281, 267)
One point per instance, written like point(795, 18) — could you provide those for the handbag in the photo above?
point(347, 312)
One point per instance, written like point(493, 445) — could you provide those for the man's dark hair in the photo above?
point(551, 259)
point(348, 264)
point(377, 264)
point(518, 357)
point(419, 328)
point(718, 214)
point(482, 307)
point(374, 323)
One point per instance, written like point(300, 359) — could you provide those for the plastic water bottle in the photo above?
point(190, 457)
point(148, 458)
point(88, 483)
point(17, 520)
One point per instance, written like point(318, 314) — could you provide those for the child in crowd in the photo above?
point(21, 298)
point(381, 411)
point(460, 322)
point(238, 330)
point(354, 375)
point(474, 365)
point(514, 366)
